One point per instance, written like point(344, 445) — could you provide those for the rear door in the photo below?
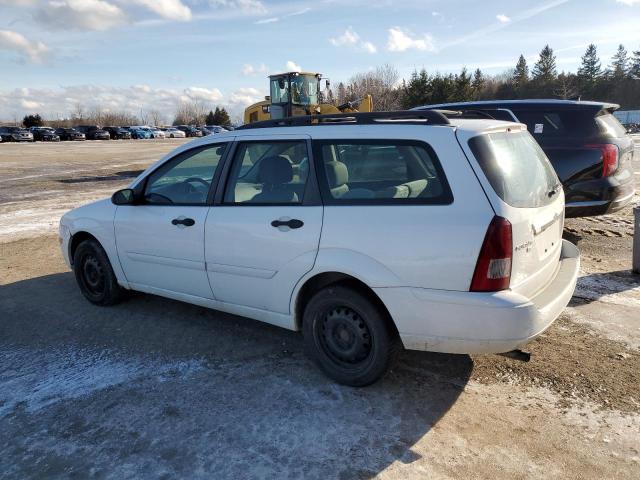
point(263, 231)
point(523, 188)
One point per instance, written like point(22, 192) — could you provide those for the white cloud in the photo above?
point(170, 9)
point(19, 44)
point(80, 14)
point(264, 21)
point(351, 38)
point(248, 7)
point(293, 67)
point(629, 2)
point(400, 41)
point(502, 18)
point(53, 103)
point(245, 96)
point(202, 93)
point(248, 69)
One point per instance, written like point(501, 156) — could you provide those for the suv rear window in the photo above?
point(516, 167)
point(557, 124)
point(382, 172)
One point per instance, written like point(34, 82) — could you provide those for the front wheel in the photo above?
point(94, 274)
point(348, 336)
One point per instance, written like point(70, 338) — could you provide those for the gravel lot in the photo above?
point(153, 388)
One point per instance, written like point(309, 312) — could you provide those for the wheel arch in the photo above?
point(76, 239)
point(322, 280)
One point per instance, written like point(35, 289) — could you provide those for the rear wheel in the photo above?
point(94, 274)
point(348, 336)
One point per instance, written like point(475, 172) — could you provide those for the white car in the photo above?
point(368, 232)
point(157, 133)
point(174, 133)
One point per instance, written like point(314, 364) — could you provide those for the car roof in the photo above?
point(533, 103)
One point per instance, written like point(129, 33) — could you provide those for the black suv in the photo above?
point(190, 131)
point(93, 132)
point(118, 133)
point(69, 134)
point(586, 144)
point(44, 134)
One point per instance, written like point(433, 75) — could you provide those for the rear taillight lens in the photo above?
point(610, 157)
point(493, 269)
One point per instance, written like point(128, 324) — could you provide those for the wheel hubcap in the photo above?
point(345, 336)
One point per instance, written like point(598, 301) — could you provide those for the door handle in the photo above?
point(187, 222)
point(292, 223)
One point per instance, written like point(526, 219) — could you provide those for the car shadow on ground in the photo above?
point(152, 388)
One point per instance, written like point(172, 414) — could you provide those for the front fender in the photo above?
point(97, 220)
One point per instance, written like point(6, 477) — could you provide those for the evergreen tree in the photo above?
point(417, 91)
point(32, 121)
point(210, 118)
point(619, 63)
point(590, 69)
point(478, 82)
point(521, 73)
point(545, 68)
point(463, 90)
point(221, 117)
point(634, 69)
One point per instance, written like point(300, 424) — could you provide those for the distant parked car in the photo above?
point(44, 134)
point(215, 129)
point(139, 133)
point(586, 144)
point(118, 133)
point(190, 131)
point(156, 133)
point(173, 132)
point(94, 132)
point(70, 134)
point(15, 134)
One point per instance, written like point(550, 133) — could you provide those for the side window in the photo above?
point(186, 179)
point(382, 172)
point(268, 173)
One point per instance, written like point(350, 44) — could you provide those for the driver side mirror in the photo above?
point(126, 196)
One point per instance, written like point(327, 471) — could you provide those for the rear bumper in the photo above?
point(467, 322)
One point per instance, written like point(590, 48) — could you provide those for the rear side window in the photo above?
point(516, 167)
point(609, 125)
point(558, 124)
point(381, 172)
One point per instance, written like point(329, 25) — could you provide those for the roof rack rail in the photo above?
point(430, 117)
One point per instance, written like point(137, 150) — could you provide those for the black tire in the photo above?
point(94, 274)
point(348, 336)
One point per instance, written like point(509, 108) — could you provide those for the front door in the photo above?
point(263, 236)
point(161, 240)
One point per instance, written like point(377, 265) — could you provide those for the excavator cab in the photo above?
point(293, 94)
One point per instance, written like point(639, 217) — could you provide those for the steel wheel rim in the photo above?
point(93, 275)
point(345, 337)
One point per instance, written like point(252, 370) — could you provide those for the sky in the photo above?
point(143, 55)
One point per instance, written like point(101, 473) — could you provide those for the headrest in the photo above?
point(275, 170)
point(337, 174)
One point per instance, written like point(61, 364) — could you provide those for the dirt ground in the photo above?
point(153, 388)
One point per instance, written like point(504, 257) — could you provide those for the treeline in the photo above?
point(187, 113)
point(619, 82)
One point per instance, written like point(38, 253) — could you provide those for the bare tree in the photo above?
point(190, 113)
point(381, 83)
point(156, 117)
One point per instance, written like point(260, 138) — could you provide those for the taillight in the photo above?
point(493, 269)
point(610, 154)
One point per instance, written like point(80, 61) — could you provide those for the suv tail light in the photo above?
point(610, 156)
point(493, 269)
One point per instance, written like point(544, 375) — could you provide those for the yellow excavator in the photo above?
point(299, 93)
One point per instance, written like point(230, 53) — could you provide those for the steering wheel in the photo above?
point(190, 180)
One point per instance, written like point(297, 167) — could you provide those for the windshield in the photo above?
point(304, 90)
point(516, 167)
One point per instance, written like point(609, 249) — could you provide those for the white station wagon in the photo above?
point(368, 232)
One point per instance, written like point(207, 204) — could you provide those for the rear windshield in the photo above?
point(516, 167)
point(552, 124)
point(609, 125)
